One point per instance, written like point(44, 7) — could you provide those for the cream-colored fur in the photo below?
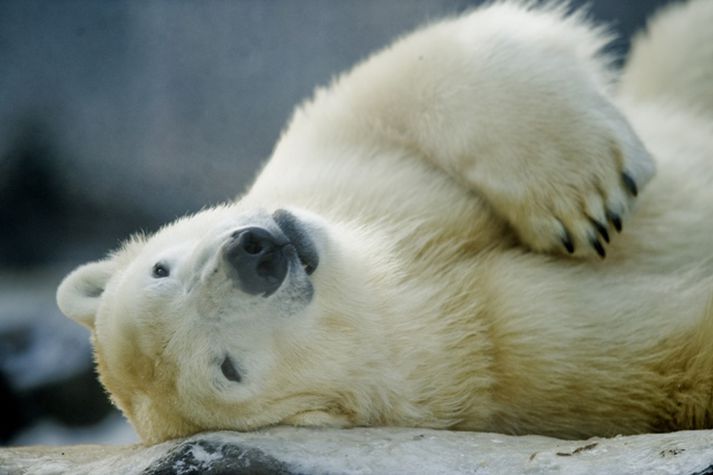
point(671, 60)
point(442, 181)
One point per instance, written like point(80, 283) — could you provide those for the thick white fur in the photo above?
point(671, 60)
point(439, 178)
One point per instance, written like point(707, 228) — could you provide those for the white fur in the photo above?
point(671, 59)
point(438, 180)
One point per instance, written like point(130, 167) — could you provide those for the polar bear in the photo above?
point(482, 227)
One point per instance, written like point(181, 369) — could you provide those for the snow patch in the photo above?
point(203, 456)
point(201, 460)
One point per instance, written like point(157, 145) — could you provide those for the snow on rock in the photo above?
point(284, 450)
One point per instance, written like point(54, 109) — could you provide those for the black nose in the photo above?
point(258, 260)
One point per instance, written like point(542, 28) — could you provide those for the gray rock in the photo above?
point(284, 450)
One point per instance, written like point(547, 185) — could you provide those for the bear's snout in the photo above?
point(257, 259)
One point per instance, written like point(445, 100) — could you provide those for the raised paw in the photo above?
point(594, 233)
point(579, 220)
point(572, 196)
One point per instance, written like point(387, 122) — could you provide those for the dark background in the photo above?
point(117, 116)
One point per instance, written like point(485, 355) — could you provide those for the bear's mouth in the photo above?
point(298, 236)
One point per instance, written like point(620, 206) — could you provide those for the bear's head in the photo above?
point(235, 320)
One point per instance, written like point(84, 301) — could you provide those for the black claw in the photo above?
point(567, 243)
point(601, 229)
point(630, 184)
point(615, 219)
point(598, 247)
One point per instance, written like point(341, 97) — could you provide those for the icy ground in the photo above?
point(377, 451)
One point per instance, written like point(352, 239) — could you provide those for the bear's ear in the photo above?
point(79, 294)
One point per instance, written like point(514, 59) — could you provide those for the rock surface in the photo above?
point(285, 450)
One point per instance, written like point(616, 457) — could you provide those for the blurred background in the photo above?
point(117, 116)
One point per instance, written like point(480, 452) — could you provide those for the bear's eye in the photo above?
point(160, 270)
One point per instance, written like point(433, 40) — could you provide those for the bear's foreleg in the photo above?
point(512, 101)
